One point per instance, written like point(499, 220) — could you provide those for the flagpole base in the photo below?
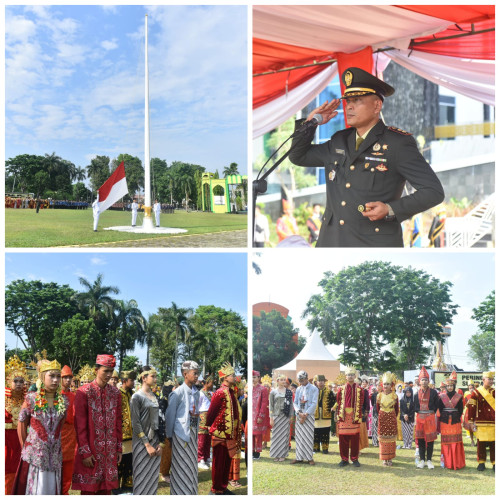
point(147, 222)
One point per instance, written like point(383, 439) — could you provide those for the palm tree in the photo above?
point(231, 170)
point(235, 347)
point(203, 343)
point(129, 326)
point(80, 174)
point(95, 301)
point(177, 319)
point(153, 329)
point(186, 183)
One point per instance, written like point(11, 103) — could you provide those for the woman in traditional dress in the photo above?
point(407, 408)
point(15, 391)
point(234, 469)
point(146, 448)
point(373, 402)
point(280, 410)
point(363, 429)
point(387, 407)
point(451, 406)
point(43, 412)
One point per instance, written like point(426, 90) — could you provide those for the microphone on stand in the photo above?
point(317, 119)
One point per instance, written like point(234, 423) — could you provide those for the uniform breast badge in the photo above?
point(381, 168)
point(376, 147)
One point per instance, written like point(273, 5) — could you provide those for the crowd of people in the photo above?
point(358, 408)
point(38, 203)
point(104, 433)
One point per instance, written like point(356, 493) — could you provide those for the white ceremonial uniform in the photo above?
point(134, 207)
point(157, 211)
point(95, 211)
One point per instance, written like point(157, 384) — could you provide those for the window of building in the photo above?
point(447, 108)
point(332, 91)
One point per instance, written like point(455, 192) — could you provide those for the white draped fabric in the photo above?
point(472, 78)
point(342, 28)
point(272, 114)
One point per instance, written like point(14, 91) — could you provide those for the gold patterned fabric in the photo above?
point(126, 417)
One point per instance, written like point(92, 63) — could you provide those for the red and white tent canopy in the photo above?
point(288, 36)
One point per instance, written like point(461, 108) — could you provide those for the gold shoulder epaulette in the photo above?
point(399, 131)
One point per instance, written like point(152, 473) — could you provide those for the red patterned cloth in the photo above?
point(98, 425)
point(106, 360)
point(260, 409)
point(452, 447)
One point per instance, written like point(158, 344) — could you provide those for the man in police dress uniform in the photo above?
point(367, 166)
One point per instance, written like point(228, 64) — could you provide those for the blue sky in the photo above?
point(152, 279)
point(75, 82)
point(472, 275)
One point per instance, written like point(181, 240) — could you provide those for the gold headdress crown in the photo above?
point(350, 370)
point(226, 370)
point(388, 378)
point(267, 380)
point(340, 380)
point(45, 365)
point(15, 368)
point(488, 374)
point(86, 374)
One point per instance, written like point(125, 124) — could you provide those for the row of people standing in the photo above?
point(416, 411)
point(96, 420)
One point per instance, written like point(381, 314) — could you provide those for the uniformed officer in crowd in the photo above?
point(366, 167)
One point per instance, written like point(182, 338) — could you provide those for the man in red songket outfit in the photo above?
point(98, 425)
point(350, 401)
point(15, 376)
point(223, 419)
point(426, 402)
point(260, 420)
point(481, 411)
point(68, 434)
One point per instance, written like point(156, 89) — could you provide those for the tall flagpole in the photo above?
point(148, 222)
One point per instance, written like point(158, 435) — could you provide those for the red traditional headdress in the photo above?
point(255, 373)
point(66, 371)
point(423, 374)
point(106, 360)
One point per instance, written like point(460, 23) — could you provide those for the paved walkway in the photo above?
point(226, 239)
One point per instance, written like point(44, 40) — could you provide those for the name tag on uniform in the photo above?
point(340, 151)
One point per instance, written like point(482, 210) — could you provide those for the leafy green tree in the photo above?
point(219, 335)
point(482, 344)
point(159, 179)
point(40, 183)
point(130, 363)
point(22, 169)
point(33, 310)
point(273, 341)
point(79, 174)
point(367, 307)
point(25, 355)
point(98, 171)
point(163, 349)
point(134, 171)
point(75, 342)
point(80, 192)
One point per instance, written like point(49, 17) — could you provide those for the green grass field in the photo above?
point(403, 478)
point(55, 228)
point(204, 483)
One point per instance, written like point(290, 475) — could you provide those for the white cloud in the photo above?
point(109, 44)
point(98, 261)
point(19, 29)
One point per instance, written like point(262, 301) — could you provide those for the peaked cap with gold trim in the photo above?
point(359, 82)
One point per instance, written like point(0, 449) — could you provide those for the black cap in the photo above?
point(359, 82)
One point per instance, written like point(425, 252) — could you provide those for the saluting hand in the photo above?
point(326, 110)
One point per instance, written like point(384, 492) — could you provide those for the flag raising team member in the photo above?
point(110, 192)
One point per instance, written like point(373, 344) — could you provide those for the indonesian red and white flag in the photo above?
point(113, 189)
